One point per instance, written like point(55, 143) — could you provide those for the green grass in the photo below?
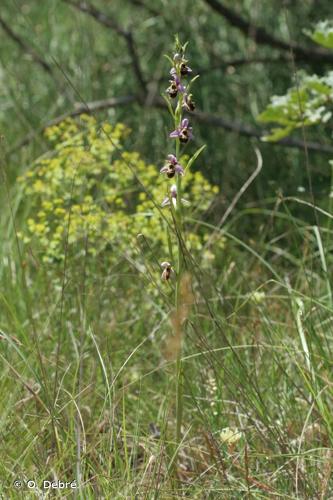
point(88, 387)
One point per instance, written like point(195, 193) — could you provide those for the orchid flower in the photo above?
point(172, 167)
point(175, 86)
point(183, 132)
point(181, 66)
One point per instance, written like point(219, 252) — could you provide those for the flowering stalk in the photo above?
point(182, 133)
point(179, 374)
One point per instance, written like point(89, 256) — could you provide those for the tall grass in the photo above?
point(257, 360)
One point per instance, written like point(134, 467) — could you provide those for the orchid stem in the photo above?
point(179, 371)
point(182, 133)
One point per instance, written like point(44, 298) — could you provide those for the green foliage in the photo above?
point(89, 187)
point(308, 103)
point(322, 34)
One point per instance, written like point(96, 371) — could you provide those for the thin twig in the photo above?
point(242, 189)
point(237, 197)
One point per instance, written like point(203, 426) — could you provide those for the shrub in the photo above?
point(89, 186)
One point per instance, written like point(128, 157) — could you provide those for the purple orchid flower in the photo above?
point(172, 167)
point(184, 69)
point(183, 132)
point(173, 198)
point(175, 86)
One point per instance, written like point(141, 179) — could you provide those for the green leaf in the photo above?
point(171, 111)
point(277, 134)
point(185, 46)
point(191, 82)
point(169, 59)
point(322, 34)
point(304, 105)
point(194, 157)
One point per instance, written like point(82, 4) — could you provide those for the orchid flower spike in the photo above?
point(183, 131)
point(172, 167)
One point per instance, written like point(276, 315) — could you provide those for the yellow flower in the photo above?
point(60, 211)
point(40, 228)
point(38, 186)
point(230, 435)
point(258, 297)
point(102, 196)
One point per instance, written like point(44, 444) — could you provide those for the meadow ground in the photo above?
point(89, 379)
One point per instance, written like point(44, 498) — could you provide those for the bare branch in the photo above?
point(248, 131)
point(261, 36)
point(102, 18)
point(135, 61)
point(90, 108)
point(243, 61)
point(106, 21)
point(25, 47)
point(207, 118)
point(93, 107)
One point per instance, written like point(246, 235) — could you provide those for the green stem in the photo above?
point(179, 368)
point(330, 202)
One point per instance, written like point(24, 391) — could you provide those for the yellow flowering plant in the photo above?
point(89, 186)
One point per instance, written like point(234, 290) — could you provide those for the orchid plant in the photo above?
point(179, 101)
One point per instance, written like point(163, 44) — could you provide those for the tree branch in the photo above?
point(248, 131)
point(242, 61)
point(261, 36)
point(206, 118)
point(106, 21)
point(25, 47)
point(89, 108)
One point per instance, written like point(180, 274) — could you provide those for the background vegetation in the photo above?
point(87, 353)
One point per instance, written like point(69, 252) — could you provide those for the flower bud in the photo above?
point(188, 102)
point(167, 271)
